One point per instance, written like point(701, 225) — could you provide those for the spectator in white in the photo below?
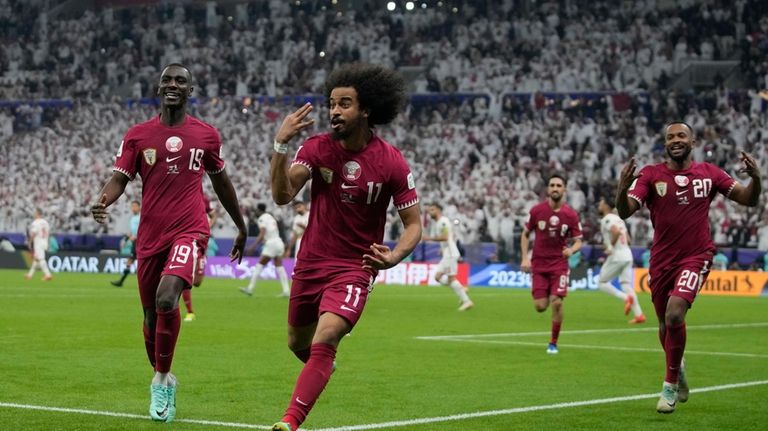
point(39, 230)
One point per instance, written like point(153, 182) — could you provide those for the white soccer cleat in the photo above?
point(466, 305)
point(552, 349)
point(668, 399)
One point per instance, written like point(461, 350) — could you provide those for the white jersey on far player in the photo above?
point(300, 224)
point(273, 244)
point(449, 249)
point(39, 230)
point(620, 250)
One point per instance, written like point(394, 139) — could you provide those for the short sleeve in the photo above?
point(306, 154)
point(212, 160)
point(575, 226)
point(403, 185)
point(723, 182)
point(125, 159)
point(639, 188)
point(529, 223)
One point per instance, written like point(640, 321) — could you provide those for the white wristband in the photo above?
point(280, 148)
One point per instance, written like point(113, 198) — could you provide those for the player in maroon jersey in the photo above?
point(354, 176)
point(553, 223)
point(170, 152)
point(186, 294)
point(678, 194)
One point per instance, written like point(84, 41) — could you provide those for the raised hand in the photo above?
point(750, 166)
point(627, 176)
point(294, 123)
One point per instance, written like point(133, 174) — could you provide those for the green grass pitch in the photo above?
point(75, 343)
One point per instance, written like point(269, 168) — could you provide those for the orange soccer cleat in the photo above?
point(637, 320)
point(628, 304)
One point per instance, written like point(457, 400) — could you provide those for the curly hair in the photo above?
point(380, 91)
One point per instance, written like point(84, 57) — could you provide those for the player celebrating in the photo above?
point(354, 176)
point(170, 152)
point(553, 222)
point(273, 249)
point(619, 260)
point(449, 262)
point(39, 231)
point(678, 194)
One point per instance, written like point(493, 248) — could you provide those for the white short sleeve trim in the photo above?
point(302, 163)
point(124, 172)
point(218, 171)
point(640, 201)
point(407, 204)
point(730, 189)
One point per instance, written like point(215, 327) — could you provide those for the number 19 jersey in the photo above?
point(171, 162)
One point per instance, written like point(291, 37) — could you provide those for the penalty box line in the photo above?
point(393, 424)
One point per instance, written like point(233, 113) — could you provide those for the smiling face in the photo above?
point(344, 110)
point(678, 142)
point(175, 86)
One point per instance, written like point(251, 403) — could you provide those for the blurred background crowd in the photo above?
point(504, 94)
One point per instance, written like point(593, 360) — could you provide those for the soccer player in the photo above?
point(300, 221)
point(553, 223)
point(273, 249)
point(678, 194)
point(39, 231)
point(442, 230)
point(355, 174)
point(171, 152)
point(133, 227)
point(619, 260)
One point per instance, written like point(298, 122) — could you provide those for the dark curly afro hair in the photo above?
point(380, 91)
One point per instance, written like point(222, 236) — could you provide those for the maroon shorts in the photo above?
point(343, 293)
point(180, 260)
point(550, 283)
point(683, 280)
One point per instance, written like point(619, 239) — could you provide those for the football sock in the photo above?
point(187, 295)
point(459, 290)
point(555, 331)
point(311, 382)
point(302, 354)
point(256, 272)
point(283, 279)
point(636, 310)
point(609, 289)
point(44, 267)
point(166, 334)
point(126, 271)
point(149, 344)
point(674, 346)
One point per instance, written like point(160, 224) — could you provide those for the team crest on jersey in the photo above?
point(554, 220)
point(542, 225)
point(173, 144)
point(327, 175)
point(681, 180)
point(661, 188)
point(150, 156)
point(352, 170)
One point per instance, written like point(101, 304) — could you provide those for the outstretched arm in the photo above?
point(624, 205)
point(111, 191)
point(228, 198)
point(750, 194)
point(287, 181)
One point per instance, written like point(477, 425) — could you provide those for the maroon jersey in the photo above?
point(679, 205)
point(171, 162)
point(351, 192)
point(552, 229)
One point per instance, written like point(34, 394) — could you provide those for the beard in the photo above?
point(556, 197)
point(681, 158)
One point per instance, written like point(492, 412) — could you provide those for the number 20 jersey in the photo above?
point(171, 162)
point(679, 204)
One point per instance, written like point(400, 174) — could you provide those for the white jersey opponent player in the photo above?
point(619, 260)
point(300, 222)
point(273, 249)
point(442, 231)
point(39, 230)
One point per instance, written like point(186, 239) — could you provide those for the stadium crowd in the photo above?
point(484, 155)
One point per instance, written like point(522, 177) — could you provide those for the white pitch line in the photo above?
point(620, 348)
point(131, 416)
point(401, 423)
point(502, 412)
point(591, 331)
